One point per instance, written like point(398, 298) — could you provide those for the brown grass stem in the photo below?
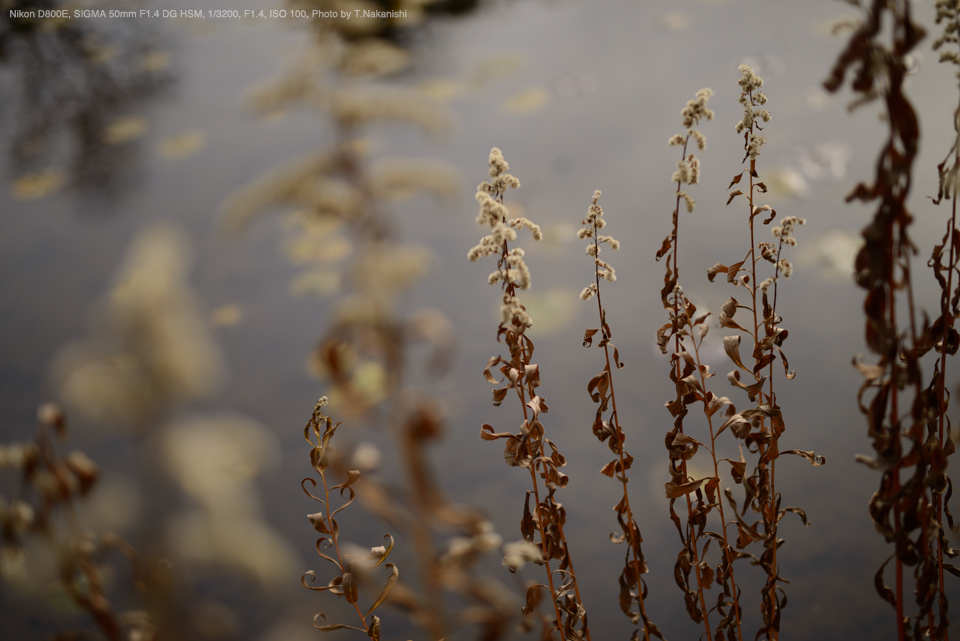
point(602, 391)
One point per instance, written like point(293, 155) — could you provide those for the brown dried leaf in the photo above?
point(665, 247)
point(815, 459)
point(600, 383)
point(731, 345)
point(718, 268)
point(487, 433)
point(313, 577)
point(675, 491)
point(614, 467)
point(588, 337)
point(332, 626)
point(491, 363)
point(351, 590)
point(394, 575)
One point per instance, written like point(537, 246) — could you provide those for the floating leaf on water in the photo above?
point(370, 381)
point(441, 89)
point(318, 282)
point(550, 310)
point(226, 316)
point(100, 54)
point(182, 145)
point(34, 186)
point(833, 253)
point(787, 182)
point(674, 22)
point(487, 70)
point(556, 235)
point(527, 101)
point(155, 61)
point(125, 129)
point(824, 161)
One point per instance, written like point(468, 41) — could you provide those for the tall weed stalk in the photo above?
point(762, 426)
point(528, 447)
point(687, 330)
point(633, 589)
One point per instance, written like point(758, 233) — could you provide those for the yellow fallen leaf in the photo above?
point(527, 101)
point(370, 382)
point(34, 186)
point(101, 54)
point(492, 68)
point(441, 89)
point(182, 145)
point(550, 310)
point(123, 130)
point(318, 282)
point(155, 61)
point(226, 316)
point(674, 22)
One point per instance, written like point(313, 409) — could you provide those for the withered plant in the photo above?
point(527, 448)
point(364, 349)
point(607, 428)
point(906, 421)
point(686, 331)
point(760, 427)
point(52, 487)
point(347, 583)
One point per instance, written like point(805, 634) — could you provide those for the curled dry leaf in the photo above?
point(815, 459)
point(676, 490)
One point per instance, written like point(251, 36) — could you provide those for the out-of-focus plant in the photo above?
point(148, 356)
point(906, 421)
point(364, 351)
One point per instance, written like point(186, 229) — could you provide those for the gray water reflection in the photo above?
point(580, 96)
point(81, 91)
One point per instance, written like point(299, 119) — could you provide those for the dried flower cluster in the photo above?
point(512, 271)
point(688, 168)
point(750, 97)
point(592, 225)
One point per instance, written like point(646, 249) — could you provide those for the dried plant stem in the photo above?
point(536, 497)
point(678, 348)
point(716, 474)
point(638, 565)
point(769, 509)
point(527, 447)
point(336, 544)
point(942, 404)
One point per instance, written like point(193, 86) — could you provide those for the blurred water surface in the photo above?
point(580, 96)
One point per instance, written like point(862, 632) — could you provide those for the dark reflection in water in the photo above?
point(82, 87)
